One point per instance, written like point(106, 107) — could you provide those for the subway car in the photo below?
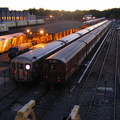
point(19, 49)
point(59, 67)
point(4, 28)
point(8, 41)
point(28, 66)
point(23, 23)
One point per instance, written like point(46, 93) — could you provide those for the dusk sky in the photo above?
point(67, 5)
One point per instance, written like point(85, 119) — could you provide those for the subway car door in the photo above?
point(57, 73)
point(61, 73)
point(53, 72)
point(20, 71)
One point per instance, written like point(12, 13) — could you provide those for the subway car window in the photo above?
point(20, 66)
point(13, 65)
point(53, 67)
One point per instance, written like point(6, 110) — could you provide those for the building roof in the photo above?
point(56, 27)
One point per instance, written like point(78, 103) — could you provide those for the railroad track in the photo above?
point(97, 97)
point(45, 100)
point(8, 99)
point(11, 101)
point(4, 65)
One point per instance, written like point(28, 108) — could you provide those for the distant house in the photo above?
point(6, 15)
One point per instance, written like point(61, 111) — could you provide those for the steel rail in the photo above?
point(115, 77)
point(98, 79)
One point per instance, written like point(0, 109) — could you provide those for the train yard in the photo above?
point(95, 88)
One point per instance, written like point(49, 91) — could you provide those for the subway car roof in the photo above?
point(22, 46)
point(87, 38)
point(82, 32)
point(10, 36)
point(69, 38)
point(68, 52)
point(37, 53)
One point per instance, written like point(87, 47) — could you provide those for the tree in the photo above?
point(76, 15)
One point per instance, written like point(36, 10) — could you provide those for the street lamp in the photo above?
point(41, 31)
point(28, 30)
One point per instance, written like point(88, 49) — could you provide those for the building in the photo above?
point(87, 17)
point(6, 15)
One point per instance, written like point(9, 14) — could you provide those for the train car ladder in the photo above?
point(25, 111)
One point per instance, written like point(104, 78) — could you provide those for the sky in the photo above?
point(67, 5)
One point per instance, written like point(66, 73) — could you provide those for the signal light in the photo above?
point(14, 72)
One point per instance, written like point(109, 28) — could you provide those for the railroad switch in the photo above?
point(25, 111)
point(74, 113)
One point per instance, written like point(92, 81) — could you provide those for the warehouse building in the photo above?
point(6, 15)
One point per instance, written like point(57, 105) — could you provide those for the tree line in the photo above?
point(77, 14)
